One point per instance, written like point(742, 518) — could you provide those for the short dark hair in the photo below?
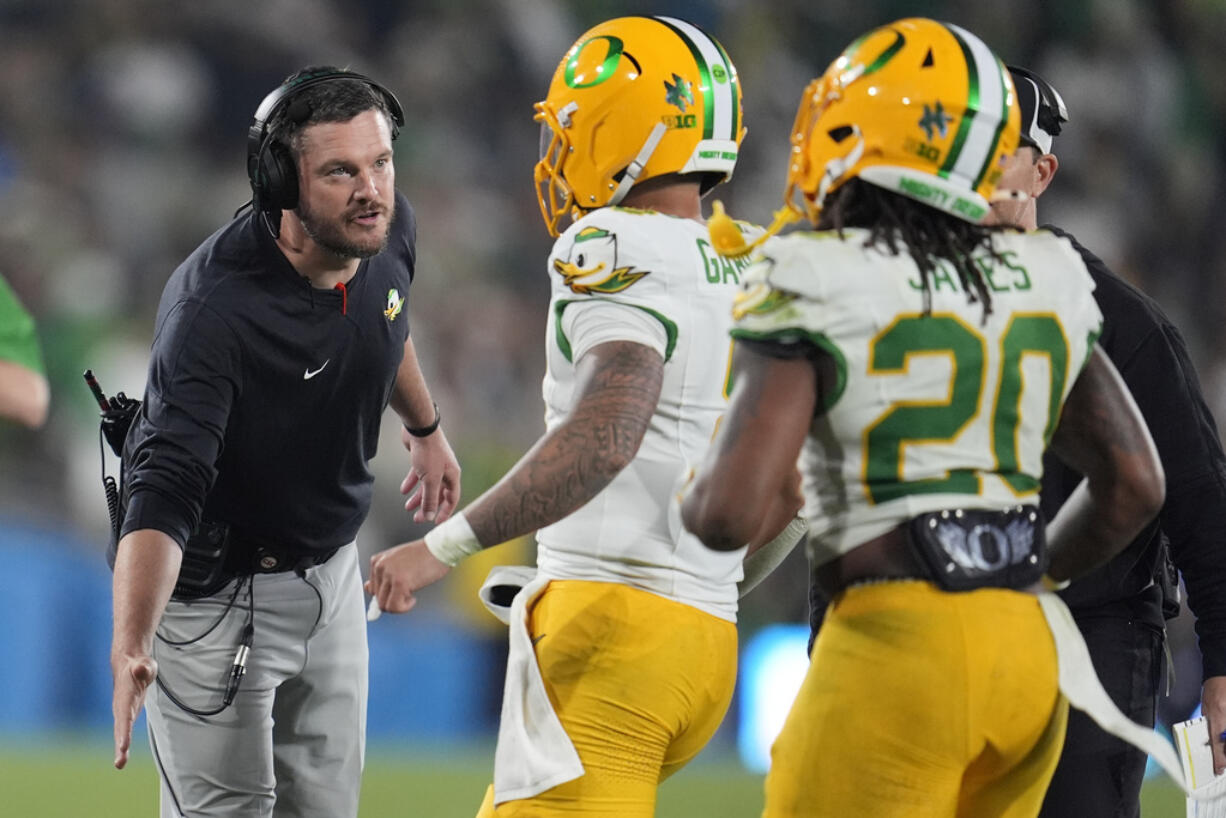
point(928, 234)
point(333, 101)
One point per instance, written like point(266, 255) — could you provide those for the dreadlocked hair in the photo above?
point(929, 235)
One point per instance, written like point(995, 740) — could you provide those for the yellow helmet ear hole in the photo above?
point(726, 237)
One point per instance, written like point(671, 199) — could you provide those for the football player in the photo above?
point(623, 649)
point(923, 362)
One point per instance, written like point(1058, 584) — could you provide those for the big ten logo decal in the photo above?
point(922, 149)
point(720, 269)
point(677, 121)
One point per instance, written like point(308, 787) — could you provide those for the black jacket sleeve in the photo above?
point(1194, 515)
point(170, 455)
point(1153, 360)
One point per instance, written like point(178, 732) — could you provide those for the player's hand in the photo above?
point(1213, 706)
point(132, 676)
point(397, 573)
point(435, 475)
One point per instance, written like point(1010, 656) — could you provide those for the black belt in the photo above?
point(217, 554)
point(269, 559)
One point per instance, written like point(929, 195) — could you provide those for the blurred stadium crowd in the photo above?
point(122, 128)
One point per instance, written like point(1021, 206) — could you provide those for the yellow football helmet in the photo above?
point(635, 98)
point(918, 107)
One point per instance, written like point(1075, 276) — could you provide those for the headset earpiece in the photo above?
point(279, 177)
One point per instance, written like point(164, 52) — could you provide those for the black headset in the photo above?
point(270, 165)
point(1050, 111)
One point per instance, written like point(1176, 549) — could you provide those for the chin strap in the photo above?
point(635, 168)
point(726, 237)
point(835, 168)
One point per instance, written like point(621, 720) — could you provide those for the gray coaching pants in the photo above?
point(292, 744)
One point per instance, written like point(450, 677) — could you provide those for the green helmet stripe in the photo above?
point(887, 55)
point(732, 82)
point(1000, 126)
point(719, 95)
point(852, 51)
point(704, 79)
point(972, 107)
point(986, 112)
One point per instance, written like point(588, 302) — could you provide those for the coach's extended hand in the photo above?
point(435, 474)
point(132, 676)
point(395, 574)
point(146, 565)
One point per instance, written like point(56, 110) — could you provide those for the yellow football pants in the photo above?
point(921, 703)
point(639, 682)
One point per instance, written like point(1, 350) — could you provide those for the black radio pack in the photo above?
point(204, 568)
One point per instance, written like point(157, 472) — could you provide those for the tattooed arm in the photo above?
point(742, 490)
point(1103, 436)
point(617, 387)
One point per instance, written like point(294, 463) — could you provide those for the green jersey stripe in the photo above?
point(795, 335)
point(671, 331)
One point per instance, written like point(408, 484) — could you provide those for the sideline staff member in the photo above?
point(279, 343)
point(1119, 607)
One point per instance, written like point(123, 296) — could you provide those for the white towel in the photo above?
point(534, 752)
point(501, 577)
point(1080, 685)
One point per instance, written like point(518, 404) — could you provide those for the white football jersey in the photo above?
point(628, 275)
point(930, 412)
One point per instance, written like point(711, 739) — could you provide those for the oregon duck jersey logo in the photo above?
point(395, 303)
point(592, 264)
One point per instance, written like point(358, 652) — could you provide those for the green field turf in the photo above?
point(64, 778)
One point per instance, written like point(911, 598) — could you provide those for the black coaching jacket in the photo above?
point(1153, 360)
point(265, 395)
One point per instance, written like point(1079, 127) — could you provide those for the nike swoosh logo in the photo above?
point(536, 639)
point(308, 374)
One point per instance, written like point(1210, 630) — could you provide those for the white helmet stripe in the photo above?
point(722, 123)
point(984, 133)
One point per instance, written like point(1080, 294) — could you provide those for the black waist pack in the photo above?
point(965, 549)
point(205, 569)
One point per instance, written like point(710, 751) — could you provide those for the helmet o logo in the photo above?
point(721, 76)
point(603, 71)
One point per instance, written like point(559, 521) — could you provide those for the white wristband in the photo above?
point(766, 559)
point(452, 540)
